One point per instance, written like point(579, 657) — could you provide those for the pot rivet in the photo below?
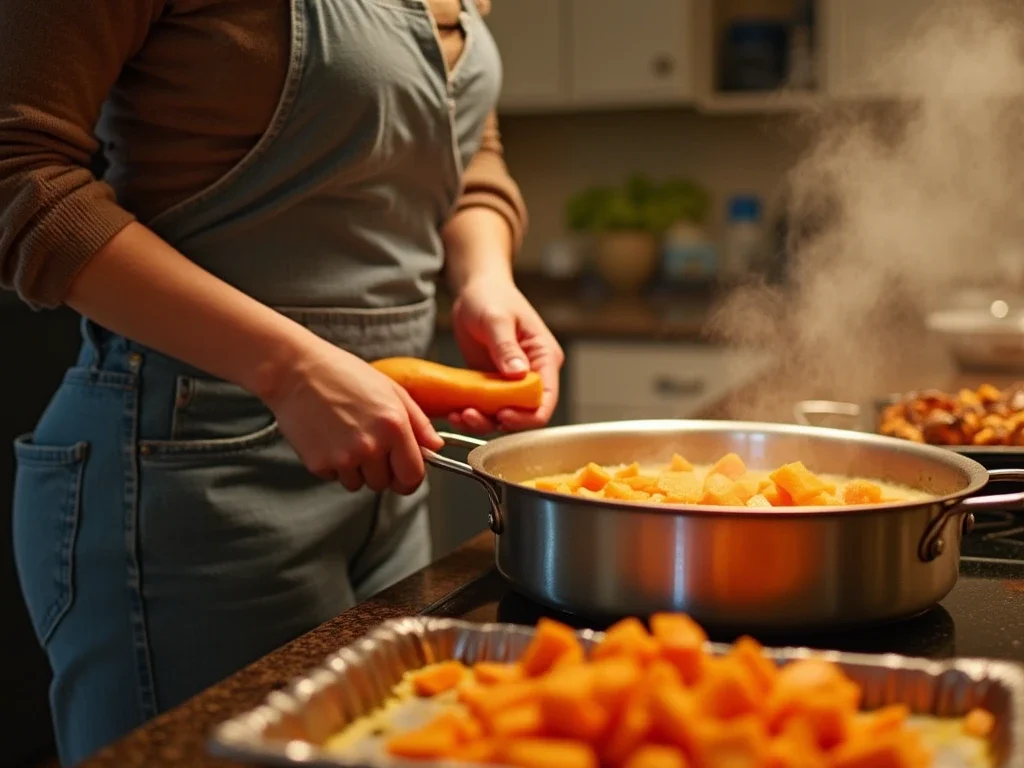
point(937, 547)
point(969, 523)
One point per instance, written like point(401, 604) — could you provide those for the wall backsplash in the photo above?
point(553, 156)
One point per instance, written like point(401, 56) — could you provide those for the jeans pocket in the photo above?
point(47, 496)
point(211, 417)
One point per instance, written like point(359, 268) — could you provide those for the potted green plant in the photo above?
point(627, 224)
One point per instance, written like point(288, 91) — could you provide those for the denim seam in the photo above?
point(34, 455)
point(97, 378)
point(213, 447)
point(140, 631)
point(285, 103)
point(66, 587)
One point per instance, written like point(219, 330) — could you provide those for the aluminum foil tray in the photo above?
point(293, 726)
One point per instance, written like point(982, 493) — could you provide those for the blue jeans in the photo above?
point(166, 535)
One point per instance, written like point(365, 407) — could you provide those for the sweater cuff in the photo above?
point(64, 240)
point(515, 217)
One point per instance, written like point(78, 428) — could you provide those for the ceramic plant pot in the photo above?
point(626, 261)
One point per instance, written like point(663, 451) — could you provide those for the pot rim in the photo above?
point(978, 475)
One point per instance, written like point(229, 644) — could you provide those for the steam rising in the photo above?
point(911, 201)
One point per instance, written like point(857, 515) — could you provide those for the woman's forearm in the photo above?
point(478, 243)
point(139, 286)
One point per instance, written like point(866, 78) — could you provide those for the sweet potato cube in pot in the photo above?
point(799, 482)
point(720, 491)
point(760, 501)
point(622, 492)
point(746, 487)
point(731, 466)
point(593, 477)
point(641, 483)
point(679, 464)
point(632, 470)
point(862, 492)
point(681, 487)
point(777, 496)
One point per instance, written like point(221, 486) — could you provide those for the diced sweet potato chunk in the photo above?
point(728, 689)
point(684, 486)
point(656, 756)
point(731, 466)
point(438, 678)
point(862, 492)
point(551, 642)
point(627, 638)
point(720, 491)
point(425, 743)
point(682, 643)
point(491, 673)
point(759, 500)
point(622, 492)
point(776, 496)
point(631, 470)
point(799, 482)
point(980, 723)
point(547, 753)
point(750, 654)
point(679, 464)
point(593, 477)
point(642, 483)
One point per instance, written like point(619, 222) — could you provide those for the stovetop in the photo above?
point(983, 616)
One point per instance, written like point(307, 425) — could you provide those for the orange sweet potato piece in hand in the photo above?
point(682, 643)
point(552, 642)
point(656, 756)
point(547, 753)
point(862, 492)
point(440, 389)
point(491, 673)
point(799, 482)
point(438, 678)
point(979, 722)
point(628, 638)
point(730, 465)
point(593, 477)
point(720, 491)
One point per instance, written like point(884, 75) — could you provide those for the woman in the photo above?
point(289, 179)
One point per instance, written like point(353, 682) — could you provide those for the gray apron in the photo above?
point(195, 541)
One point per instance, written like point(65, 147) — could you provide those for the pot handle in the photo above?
point(932, 544)
point(495, 519)
point(806, 408)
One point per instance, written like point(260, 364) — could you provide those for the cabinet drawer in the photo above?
point(628, 381)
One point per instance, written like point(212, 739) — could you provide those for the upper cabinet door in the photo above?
point(631, 53)
point(861, 37)
point(531, 36)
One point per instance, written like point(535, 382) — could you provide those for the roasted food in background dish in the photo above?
point(982, 416)
point(656, 698)
point(726, 483)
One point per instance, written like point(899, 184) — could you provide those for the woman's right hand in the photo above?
point(350, 423)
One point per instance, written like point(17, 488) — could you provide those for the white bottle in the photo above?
point(745, 246)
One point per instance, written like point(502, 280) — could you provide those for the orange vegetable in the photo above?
point(776, 496)
point(490, 673)
point(656, 756)
point(720, 491)
point(746, 487)
point(679, 464)
point(438, 678)
point(728, 689)
point(553, 641)
point(862, 492)
point(548, 753)
point(750, 654)
point(684, 487)
point(632, 726)
point(621, 491)
point(593, 477)
point(759, 500)
point(731, 466)
point(484, 701)
point(423, 744)
point(614, 678)
point(682, 643)
point(482, 751)
point(980, 723)
point(641, 483)
point(799, 482)
point(739, 743)
point(545, 484)
point(439, 389)
point(631, 470)
point(882, 720)
point(569, 707)
point(522, 720)
point(628, 638)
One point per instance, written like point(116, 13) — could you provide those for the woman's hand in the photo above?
point(497, 329)
point(350, 423)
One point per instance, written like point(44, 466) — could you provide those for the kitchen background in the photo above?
point(651, 139)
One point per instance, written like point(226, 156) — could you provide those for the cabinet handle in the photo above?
point(672, 387)
point(663, 65)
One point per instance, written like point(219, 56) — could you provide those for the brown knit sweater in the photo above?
point(197, 80)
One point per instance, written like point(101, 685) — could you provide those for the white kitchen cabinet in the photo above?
point(531, 37)
point(611, 381)
point(631, 53)
point(860, 37)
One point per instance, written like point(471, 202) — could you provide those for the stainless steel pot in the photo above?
point(813, 567)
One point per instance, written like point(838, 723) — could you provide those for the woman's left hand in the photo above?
point(497, 329)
